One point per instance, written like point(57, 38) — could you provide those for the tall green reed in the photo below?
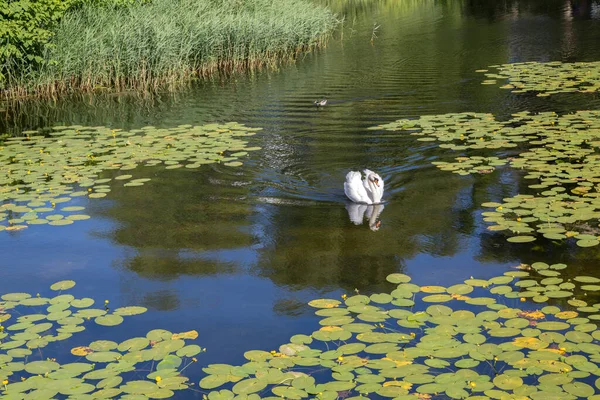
point(166, 42)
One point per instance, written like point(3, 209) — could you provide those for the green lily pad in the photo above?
point(248, 386)
point(507, 382)
point(41, 367)
point(109, 320)
point(132, 310)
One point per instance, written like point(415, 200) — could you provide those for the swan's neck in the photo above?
point(376, 192)
point(377, 195)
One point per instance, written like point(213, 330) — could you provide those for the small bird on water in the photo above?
point(320, 103)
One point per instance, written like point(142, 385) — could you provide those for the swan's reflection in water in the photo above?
point(358, 212)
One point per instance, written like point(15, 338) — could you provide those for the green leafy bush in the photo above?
point(26, 27)
point(25, 30)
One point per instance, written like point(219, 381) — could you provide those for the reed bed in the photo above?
point(167, 42)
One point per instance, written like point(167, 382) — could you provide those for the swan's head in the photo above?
point(375, 179)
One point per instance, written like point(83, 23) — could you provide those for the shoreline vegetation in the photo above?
point(146, 46)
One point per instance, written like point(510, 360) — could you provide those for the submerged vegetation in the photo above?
point(165, 42)
point(558, 153)
point(41, 171)
point(479, 339)
point(30, 368)
point(547, 78)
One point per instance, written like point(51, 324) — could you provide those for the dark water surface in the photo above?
point(237, 252)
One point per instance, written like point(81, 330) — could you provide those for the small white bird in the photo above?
point(320, 103)
point(367, 191)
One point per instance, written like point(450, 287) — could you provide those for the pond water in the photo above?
point(236, 253)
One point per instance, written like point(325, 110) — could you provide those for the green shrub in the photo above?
point(26, 28)
point(25, 31)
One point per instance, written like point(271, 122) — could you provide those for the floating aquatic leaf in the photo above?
point(61, 222)
point(134, 344)
point(131, 310)
point(592, 288)
point(398, 278)
point(324, 303)
point(169, 362)
point(62, 285)
point(103, 356)
point(552, 326)
point(158, 335)
point(189, 351)
point(82, 303)
point(16, 296)
point(521, 239)
point(73, 208)
point(109, 320)
point(587, 279)
point(139, 387)
point(257, 355)
point(507, 382)
point(103, 345)
point(41, 367)
point(249, 386)
point(182, 335)
point(579, 389)
point(78, 217)
point(587, 242)
point(81, 351)
point(437, 298)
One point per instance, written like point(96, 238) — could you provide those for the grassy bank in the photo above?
point(164, 43)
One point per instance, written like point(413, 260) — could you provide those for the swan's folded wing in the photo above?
point(354, 189)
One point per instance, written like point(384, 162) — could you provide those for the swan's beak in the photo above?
point(375, 181)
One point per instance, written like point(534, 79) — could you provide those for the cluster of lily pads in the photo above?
point(147, 367)
point(483, 338)
point(546, 78)
point(41, 171)
point(557, 152)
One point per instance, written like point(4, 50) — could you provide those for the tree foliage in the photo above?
point(26, 27)
point(25, 30)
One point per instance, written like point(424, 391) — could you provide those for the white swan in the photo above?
point(367, 191)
